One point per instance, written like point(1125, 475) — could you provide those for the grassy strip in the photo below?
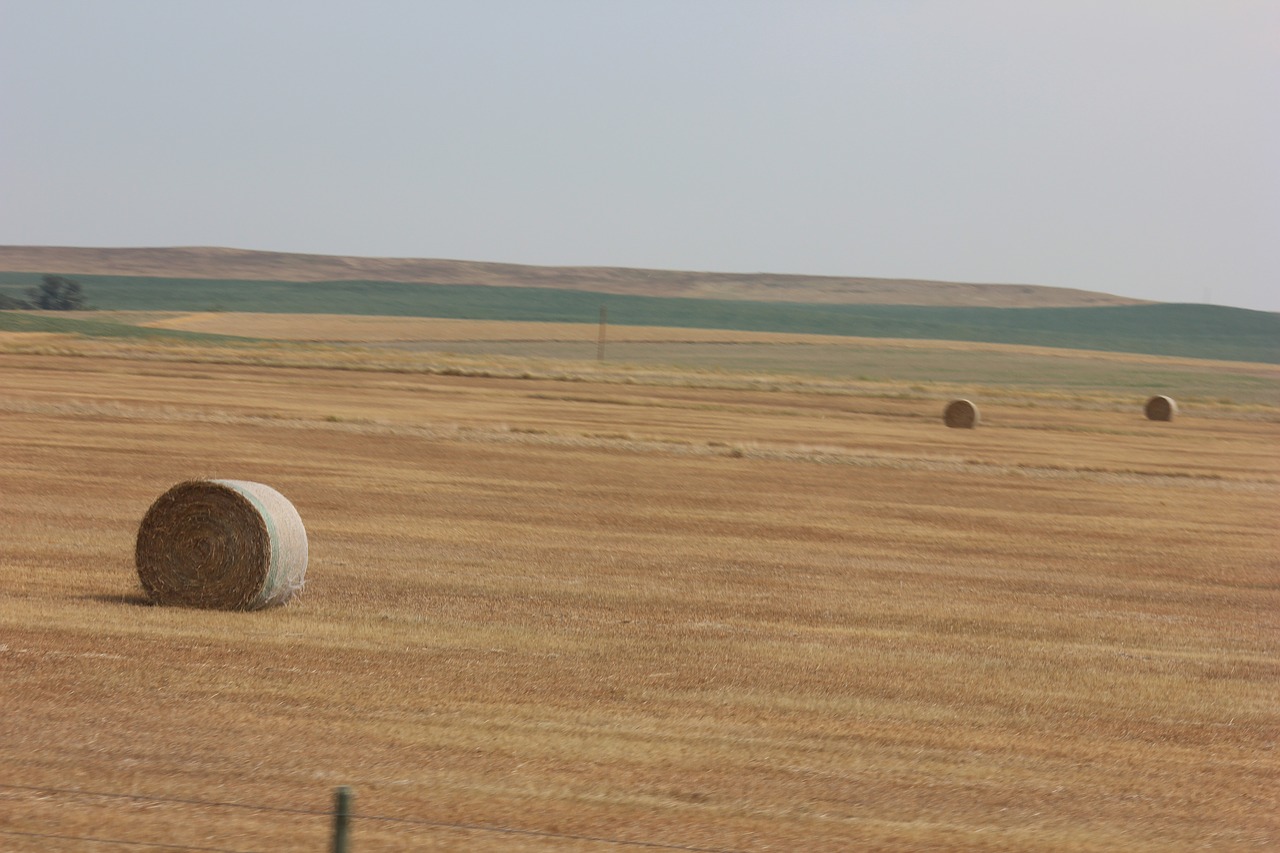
point(1194, 331)
point(65, 323)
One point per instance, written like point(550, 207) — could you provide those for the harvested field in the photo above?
point(372, 329)
point(884, 365)
point(561, 615)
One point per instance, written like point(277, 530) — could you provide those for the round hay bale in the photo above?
point(960, 414)
point(221, 545)
point(1160, 408)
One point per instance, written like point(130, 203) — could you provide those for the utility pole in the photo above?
point(604, 319)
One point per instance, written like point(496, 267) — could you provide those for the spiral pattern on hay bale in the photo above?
point(221, 545)
point(960, 414)
point(1160, 408)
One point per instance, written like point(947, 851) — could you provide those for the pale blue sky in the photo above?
point(1122, 146)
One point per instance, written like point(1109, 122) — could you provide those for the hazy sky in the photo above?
point(1122, 146)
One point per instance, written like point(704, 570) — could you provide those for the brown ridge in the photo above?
point(220, 263)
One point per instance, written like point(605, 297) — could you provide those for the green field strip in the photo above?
point(66, 323)
point(1192, 331)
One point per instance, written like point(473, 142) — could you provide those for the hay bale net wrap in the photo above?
point(960, 414)
point(1161, 408)
point(221, 544)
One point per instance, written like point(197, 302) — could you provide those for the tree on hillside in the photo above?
point(8, 303)
point(56, 293)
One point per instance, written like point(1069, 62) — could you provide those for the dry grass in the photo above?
point(378, 329)
point(351, 328)
point(722, 617)
point(937, 370)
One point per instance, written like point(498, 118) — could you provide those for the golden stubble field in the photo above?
point(564, 615)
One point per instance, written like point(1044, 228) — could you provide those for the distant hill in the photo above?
point(233, 264)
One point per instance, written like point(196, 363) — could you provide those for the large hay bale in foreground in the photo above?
point(1160, 408)
point(223, 545)
point(960, 414)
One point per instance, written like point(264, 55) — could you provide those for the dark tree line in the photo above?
point(55, 293)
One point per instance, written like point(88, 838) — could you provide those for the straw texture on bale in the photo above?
point(1160, 408)
point(960, 414)
point(222, 545)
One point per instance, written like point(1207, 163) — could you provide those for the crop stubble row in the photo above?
point(611, 641)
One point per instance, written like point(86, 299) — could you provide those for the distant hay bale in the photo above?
point(221, 545)
point(1160, 408)
point(960, 414)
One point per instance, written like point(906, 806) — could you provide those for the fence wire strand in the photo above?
point(437, 824)
point(144, 798)
point(118, 841)
point(479, 827)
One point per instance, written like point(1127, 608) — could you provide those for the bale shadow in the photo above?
point(133, 599)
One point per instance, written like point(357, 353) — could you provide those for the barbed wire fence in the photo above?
point(343, 820)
